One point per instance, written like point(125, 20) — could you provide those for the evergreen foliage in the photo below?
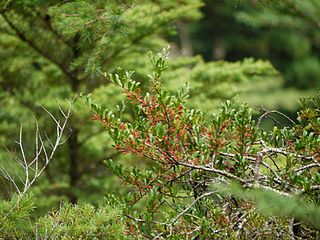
point(273, 204)
point(14, 217)
point(82, 221)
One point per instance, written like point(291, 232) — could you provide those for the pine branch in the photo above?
point(40, 51)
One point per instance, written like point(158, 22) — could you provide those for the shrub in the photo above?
point(189, 153)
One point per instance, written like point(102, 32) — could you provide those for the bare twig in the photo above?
point(33, 168)
point(267, 112)
point(190, 206)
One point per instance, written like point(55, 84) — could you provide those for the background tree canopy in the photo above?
point(263, 52)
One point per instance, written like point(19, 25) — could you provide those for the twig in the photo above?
point(31, 168)
point(267, 112)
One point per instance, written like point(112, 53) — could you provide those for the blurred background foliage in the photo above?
point(263, 52)
point(284, 32)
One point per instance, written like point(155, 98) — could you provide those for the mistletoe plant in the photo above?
point(189, 154)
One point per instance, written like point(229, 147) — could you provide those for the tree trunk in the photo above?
point(73, 144)
point(73, 168)
point(185, 39)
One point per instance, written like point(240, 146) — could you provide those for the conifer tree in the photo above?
point(53, 50)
